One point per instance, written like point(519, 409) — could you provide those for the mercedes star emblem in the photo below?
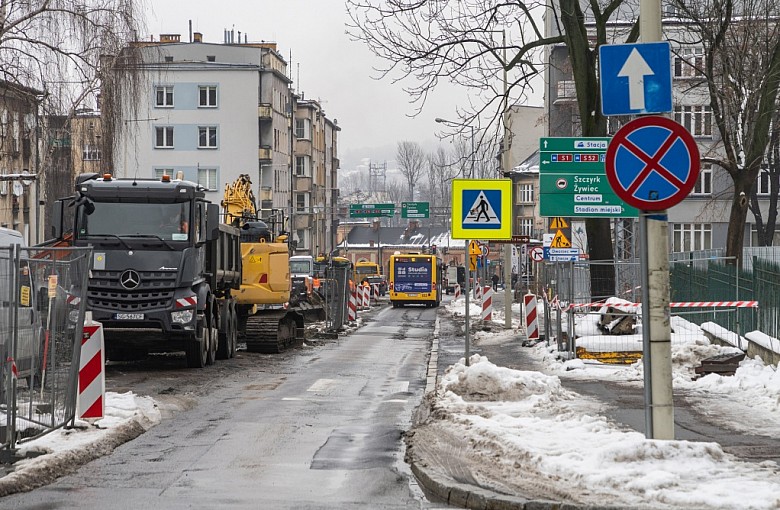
point(130, 279)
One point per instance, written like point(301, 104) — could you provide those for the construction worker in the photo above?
point(315, 283)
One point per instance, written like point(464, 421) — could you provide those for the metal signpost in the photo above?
point(652, 163)
point(572, 180)
point(481, 209)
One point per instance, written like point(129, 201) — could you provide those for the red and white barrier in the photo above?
point(487, 304)
point(457, 291)
point(679, 304)
point(375, 292)
point(478, 290)
point(90, 403)
point(366, 296)
point(531, 322)
point(352, 306)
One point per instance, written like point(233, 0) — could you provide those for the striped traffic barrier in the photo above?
point(375, 292)
point(478, 290)
point(366, 296)
point(487, 303)
point(352, 306)
point(457, 291)
point(677, 304)
point(531, 322)
point(90, 403)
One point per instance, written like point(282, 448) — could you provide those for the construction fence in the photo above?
point(706, 278)
point(41, 325)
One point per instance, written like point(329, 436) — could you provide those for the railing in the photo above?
point(41, 323)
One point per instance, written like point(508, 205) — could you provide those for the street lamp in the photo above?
point(439, 120)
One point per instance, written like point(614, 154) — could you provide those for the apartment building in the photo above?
point(701, 220)
point(20, 154)
point(214, 111)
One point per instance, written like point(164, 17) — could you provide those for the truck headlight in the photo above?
point(182, 316)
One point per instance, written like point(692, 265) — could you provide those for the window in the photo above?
point(207, 177)
point(526, 226)
point(689, 63)
point(302, 242)
point(91, 153)
point(163, 96)
point(163, 137)
point(301, 202)
point(207, 96)
point(691, 237)
point(159, 172)
point(302, 166)
point(525, 193)
point(207, 137)
point(763, 182)
point(704, 183)
point(696, 119)
point(303, 129)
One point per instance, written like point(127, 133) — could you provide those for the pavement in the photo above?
point(441, 465)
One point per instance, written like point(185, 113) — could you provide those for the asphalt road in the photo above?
point(316, 427)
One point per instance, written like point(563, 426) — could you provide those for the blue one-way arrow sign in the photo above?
point(635, 78)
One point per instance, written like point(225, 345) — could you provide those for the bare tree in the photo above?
point(58, 49)
point(62, 47)
point(411, 161)
point(457, 42)
point(769, 182)
point(395, 193)
point(742, 69)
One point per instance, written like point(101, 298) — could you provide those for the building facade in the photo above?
point(216, 111)
point(20, 155)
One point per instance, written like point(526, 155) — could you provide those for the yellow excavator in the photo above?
point(266, 321)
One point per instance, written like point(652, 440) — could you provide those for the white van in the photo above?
point(9, 236)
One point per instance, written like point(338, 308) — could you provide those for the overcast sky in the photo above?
point(326, 65)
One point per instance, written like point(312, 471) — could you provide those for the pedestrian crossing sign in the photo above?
point(482, 209)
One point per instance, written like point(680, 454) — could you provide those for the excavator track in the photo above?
point(272, 332)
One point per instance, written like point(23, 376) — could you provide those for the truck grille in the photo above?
point(155, 291)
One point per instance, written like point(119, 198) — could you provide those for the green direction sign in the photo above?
point(371, 210)
point(583, 154)
point(415, 210)
point(573, 181)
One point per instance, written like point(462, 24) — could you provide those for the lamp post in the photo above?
point(439, 120)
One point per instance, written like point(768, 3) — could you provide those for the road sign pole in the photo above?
point(466, 293)
point(656, 331)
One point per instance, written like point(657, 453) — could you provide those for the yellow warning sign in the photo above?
point(472, 262)
point(558, 223)
point(560, 241)
point(474, 248)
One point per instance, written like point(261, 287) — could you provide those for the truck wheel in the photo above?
point(212, 338)
point(198, 346)
point(229, 338)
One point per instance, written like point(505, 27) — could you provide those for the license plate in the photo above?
point(412, 294)
point(128, 316)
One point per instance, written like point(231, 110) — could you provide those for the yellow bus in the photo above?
point(415, 279)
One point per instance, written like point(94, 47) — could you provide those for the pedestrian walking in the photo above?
point(495, 281)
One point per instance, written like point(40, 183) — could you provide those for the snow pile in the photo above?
point(126, 416)
point(528, 427)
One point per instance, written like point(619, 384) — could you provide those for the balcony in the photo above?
point(303, 184)
point(264, 111)
point(264, 153)
point(567, 93)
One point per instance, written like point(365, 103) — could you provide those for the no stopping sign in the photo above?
point(652, 163)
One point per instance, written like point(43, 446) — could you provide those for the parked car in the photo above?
point(381, 281)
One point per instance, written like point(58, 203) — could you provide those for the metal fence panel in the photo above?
point(41, 325)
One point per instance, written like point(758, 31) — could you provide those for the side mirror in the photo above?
point(212, 222)
point(57, 218)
